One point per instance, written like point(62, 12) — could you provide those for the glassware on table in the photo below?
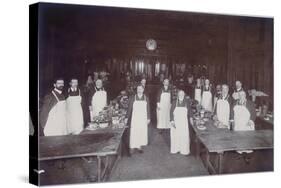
point(264, 110)
point(115, 120)
point(116, 106)
point(202, 113)
point(258, 111)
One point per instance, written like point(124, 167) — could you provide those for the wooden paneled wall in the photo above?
point(75, 38)
point(250, 53)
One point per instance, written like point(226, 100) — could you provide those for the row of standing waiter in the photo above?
point(63, 114)
point(176, 114)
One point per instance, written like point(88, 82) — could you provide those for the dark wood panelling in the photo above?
point(232, 47)
point(251, 53)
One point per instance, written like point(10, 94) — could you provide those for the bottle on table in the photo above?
point(231, 125)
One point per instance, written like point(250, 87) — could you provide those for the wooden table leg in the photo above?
point(102, 172)
point(106, 167)
point(220, 162)
point(198, 151)
point(99, 168)
point(209, 164)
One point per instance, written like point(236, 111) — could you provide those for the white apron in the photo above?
point(180, 141)
point(207, 100)
point(56, 122)
point(98, 103)
point(241, 118)
point(74, 114)
point(223, 111)
point(197, 95)
point(138, 131)
point(163, 115)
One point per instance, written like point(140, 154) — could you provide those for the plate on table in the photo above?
point(266, 118)
point(201, 122)
point(92, 126)
point(196, 117)
point(269, 115)
point(201, 127)
point(103, 125)
point(205, 119)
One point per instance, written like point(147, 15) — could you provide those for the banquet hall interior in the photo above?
point(122, 46)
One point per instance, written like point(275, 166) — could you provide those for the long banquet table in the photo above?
point(219, 141)
point(101, 144)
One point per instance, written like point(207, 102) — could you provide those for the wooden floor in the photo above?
point(157, 162)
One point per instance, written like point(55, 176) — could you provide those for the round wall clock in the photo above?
point(151, 44)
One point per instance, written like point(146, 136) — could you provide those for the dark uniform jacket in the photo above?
point(189, 90)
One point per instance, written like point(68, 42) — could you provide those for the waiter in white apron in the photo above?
point(99, 99)
point(139, 117)
point(190, 86)
point(207, 97)
point(143, 82)
point(74, 108)
point(238, 88)
point(180, 141)
point(244, 114)
point(164, 106)
point(223, 106)
point(217, 94)
point(53, 112)
point(198, 91)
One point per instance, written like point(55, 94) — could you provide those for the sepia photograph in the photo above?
point(125, 94)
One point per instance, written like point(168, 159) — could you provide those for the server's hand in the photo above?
point(173, 124)
point(251, 124)
point(158, 106)
point(191, 121)
point(235, 96)
point(148, 121)
point(90, 108)
point(215, 117)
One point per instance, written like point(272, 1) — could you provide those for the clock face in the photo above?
point(151, 44)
